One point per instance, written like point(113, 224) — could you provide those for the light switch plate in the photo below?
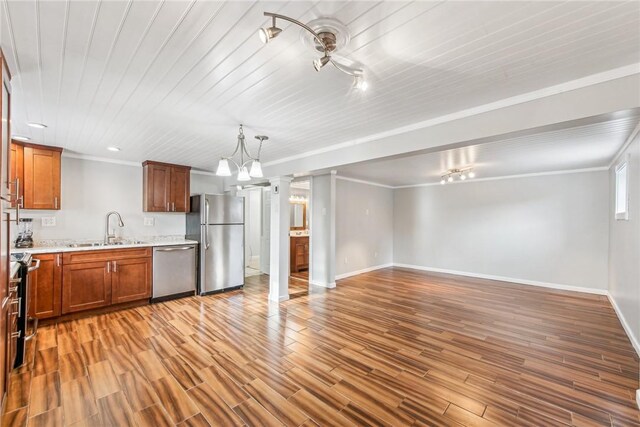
point(149, 221)
point(48, 221)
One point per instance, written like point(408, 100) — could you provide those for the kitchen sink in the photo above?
point(101, 244)
point(85, 245)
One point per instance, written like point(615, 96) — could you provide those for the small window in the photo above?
point(622, 191)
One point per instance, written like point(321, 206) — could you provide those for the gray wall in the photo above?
point(549, 229)
point(91, 188)
point(624, 248)
point(364, 226)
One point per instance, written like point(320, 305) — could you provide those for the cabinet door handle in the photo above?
point(16, 334)
point(58, 260)
point(115, 267)
point(173, 206)
point(55, 203)
point(108, 267)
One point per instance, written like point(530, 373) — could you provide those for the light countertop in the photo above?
point(63, 246)
point(15, 266)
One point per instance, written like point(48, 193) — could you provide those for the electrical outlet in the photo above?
point(346, 261)
point(48, 221)
point(149, 221)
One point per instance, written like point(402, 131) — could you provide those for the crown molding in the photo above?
point(362, 181)
point(583, 82)
point(626, 145)
point(498, 178)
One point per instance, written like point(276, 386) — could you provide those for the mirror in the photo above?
point(298, 215)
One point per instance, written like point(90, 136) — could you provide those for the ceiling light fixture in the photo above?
point(244, 174)
point(37, 125)
point(461, 174)
point(113, 149)
point(327, 39)
point(21, 138)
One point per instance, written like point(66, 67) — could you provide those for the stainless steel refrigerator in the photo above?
point(217, 223)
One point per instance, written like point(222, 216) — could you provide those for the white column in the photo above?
point(323, 230)
point(279, 245)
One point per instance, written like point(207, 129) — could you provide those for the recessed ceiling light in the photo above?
point(21, 138)
point(113, 148)
point(37, 125)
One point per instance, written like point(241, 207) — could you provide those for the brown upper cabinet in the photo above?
point(36, 169)
point(166, 187)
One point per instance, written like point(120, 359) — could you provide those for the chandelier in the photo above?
point(461, 174)
point(245, 158)
point(328, 35)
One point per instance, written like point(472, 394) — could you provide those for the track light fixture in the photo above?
point(244, 174)
point(325, 38)
point(267, 34)
point(461, 174)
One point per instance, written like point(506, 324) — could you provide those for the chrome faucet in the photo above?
point(108, 237)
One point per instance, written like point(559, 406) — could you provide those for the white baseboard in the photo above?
point(364, 270)
point(279, 298)
point(506, 279)
point(627, 329)
point(323, 284)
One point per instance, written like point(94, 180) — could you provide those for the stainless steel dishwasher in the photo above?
point(174, 272)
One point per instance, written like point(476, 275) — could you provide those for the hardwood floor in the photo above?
point(387, 348)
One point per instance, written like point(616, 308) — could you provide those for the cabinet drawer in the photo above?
point(106, 255)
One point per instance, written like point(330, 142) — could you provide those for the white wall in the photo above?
point(364, 226)
point(624, 249)
point(253, 221)
point(550, 229)
point(90, 189)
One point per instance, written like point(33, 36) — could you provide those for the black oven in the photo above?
point(27, 265)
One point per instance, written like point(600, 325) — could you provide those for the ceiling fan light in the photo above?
point(243, 174)
point(223, 168)
point(256, 170)
point(321, 62)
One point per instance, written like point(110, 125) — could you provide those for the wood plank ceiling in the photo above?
point(171, 80)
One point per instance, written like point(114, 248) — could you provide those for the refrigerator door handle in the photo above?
point(207, 244)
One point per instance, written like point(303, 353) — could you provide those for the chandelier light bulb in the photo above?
point(243, 174)
point(442, 181)
point(472, 174)
point(450, 179)
point(223, 168)
point(256, 170)
point(463, 177)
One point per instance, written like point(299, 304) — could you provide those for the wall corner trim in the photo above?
point(364, 270)
point(627, 329)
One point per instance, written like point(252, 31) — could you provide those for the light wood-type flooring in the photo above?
point(393, 347)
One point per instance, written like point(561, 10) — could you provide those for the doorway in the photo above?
point(299, 231)
point(253, 211)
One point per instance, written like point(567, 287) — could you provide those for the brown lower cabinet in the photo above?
point(299, 253)
point(77, 281)
point(45, 293)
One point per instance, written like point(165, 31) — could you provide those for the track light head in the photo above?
point(267, 34)
point(360, 83)
point(321, 62)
